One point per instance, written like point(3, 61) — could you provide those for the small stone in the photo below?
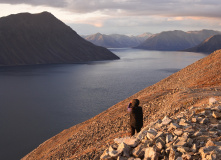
point(172, 154)
point(125, 149)
point(206, 112)
point(166, 120)
point(139, 151)
point(204, 151)
point(155, 124)
point(180, 115)
point(210, 143)
point(132, 142)
point(161, 140)
point(114, 153)
point(178, 132)
point(183, 149)
point(199, 119)
point(159, 134)
point(150, 153)
point(142, 134)
point(216, 114)
point(189, 129)
point(194, 120)
point(183, 122)
point(106, 156)
point(204, 121)
point(151, 134)
point(186, 156)
point(169, 138)
point(186, 135)
point(174, 125)
point(190, 141)
point(180, 143)
point(159, 146)
point(213, 156)
point(218, 126)
point(170, 144)
point(198, 133)
point(212, 101)
point(120, 140)
point(194, 149)
point(217, 108)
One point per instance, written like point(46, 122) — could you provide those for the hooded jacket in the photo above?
point(136, 115)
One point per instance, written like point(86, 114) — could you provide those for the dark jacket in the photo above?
point(136, 117)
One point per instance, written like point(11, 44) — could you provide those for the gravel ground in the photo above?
point(191, 86)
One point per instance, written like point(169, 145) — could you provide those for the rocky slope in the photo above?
point(193, 134)
point(117, 40)
point(43, 39)
point(176, 40)
point(209, 45)
point(191, 86)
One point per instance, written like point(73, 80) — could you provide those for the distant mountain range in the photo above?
point(209, 45)
point(165, 41)
point(176, 40)
point(43, 39)
point(116, 40)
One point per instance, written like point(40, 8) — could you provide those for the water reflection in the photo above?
point(41, 101)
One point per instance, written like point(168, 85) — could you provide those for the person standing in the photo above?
point(136, 116)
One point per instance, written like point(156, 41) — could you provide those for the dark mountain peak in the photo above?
point(45, 13)
point(26, 16)
point(42, 39)
point(34, 21)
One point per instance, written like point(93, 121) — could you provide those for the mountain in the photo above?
point(176, 40)
point(209, 45)
point(116, 40)
point(191, 87)
point(27, 39)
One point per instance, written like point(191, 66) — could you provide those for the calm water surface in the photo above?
point(37, 102)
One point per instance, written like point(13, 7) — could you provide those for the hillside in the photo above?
point(191, 86)
point(191, 135)
point(116, 40)
point(176, 40)
point(209, 45)
point(43, 39)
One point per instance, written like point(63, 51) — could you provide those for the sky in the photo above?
point(130, 17)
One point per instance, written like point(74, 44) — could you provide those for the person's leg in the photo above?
point(132, 130)
point(138, 130)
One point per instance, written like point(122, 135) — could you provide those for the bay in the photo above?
point(37, 102)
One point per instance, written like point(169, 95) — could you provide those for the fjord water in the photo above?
point(38, 102)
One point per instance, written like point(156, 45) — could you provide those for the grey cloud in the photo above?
point(204, 8)
point(149, 7)
point(52, 3)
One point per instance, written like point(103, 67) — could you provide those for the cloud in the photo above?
point(51, 3)
point(172, 8)
point(202, 8)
